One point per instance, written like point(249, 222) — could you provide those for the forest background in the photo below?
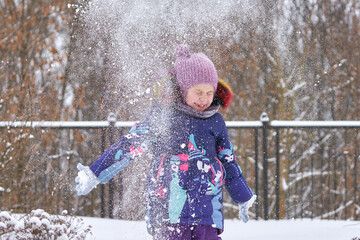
point(81, 60)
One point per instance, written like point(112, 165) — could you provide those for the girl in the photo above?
point(192, 157)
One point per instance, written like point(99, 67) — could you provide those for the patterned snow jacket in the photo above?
point(192, 159)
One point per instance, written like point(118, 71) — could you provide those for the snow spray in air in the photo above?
point(140, 38)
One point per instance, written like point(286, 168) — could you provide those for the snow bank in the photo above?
point(66, 227)
point(306, 229)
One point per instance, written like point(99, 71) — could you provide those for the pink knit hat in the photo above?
point(193, 69)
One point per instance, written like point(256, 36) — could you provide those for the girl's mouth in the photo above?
point(200, 106)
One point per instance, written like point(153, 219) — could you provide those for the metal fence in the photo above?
point(352, 186)
point(264, 130)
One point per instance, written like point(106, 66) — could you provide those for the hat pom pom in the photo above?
point(224, 94)
point(182, 51)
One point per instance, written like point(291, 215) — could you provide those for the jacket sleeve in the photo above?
point(235, 183)
point(127, 149)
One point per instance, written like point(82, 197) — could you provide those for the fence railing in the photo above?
point(263, 126)
point(277, 125)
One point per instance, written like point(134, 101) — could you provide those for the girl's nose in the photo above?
point(202, 99)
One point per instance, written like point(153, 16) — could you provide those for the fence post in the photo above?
point(120, 185)
point(265, 120)
point(256, 172)
point(356, 159)
point(112, 119)
point(312, 188)
point(277, 213)
point(102, 187)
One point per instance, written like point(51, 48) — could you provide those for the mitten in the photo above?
point(244, 209)
point(86, 180)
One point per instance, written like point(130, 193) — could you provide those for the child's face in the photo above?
point(200, 96)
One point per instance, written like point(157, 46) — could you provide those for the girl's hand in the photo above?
point(244, 209)
point(86, 180)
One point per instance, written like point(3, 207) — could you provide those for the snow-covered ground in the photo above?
point(306, 229)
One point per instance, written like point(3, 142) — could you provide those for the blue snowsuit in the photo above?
point(192, 159)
